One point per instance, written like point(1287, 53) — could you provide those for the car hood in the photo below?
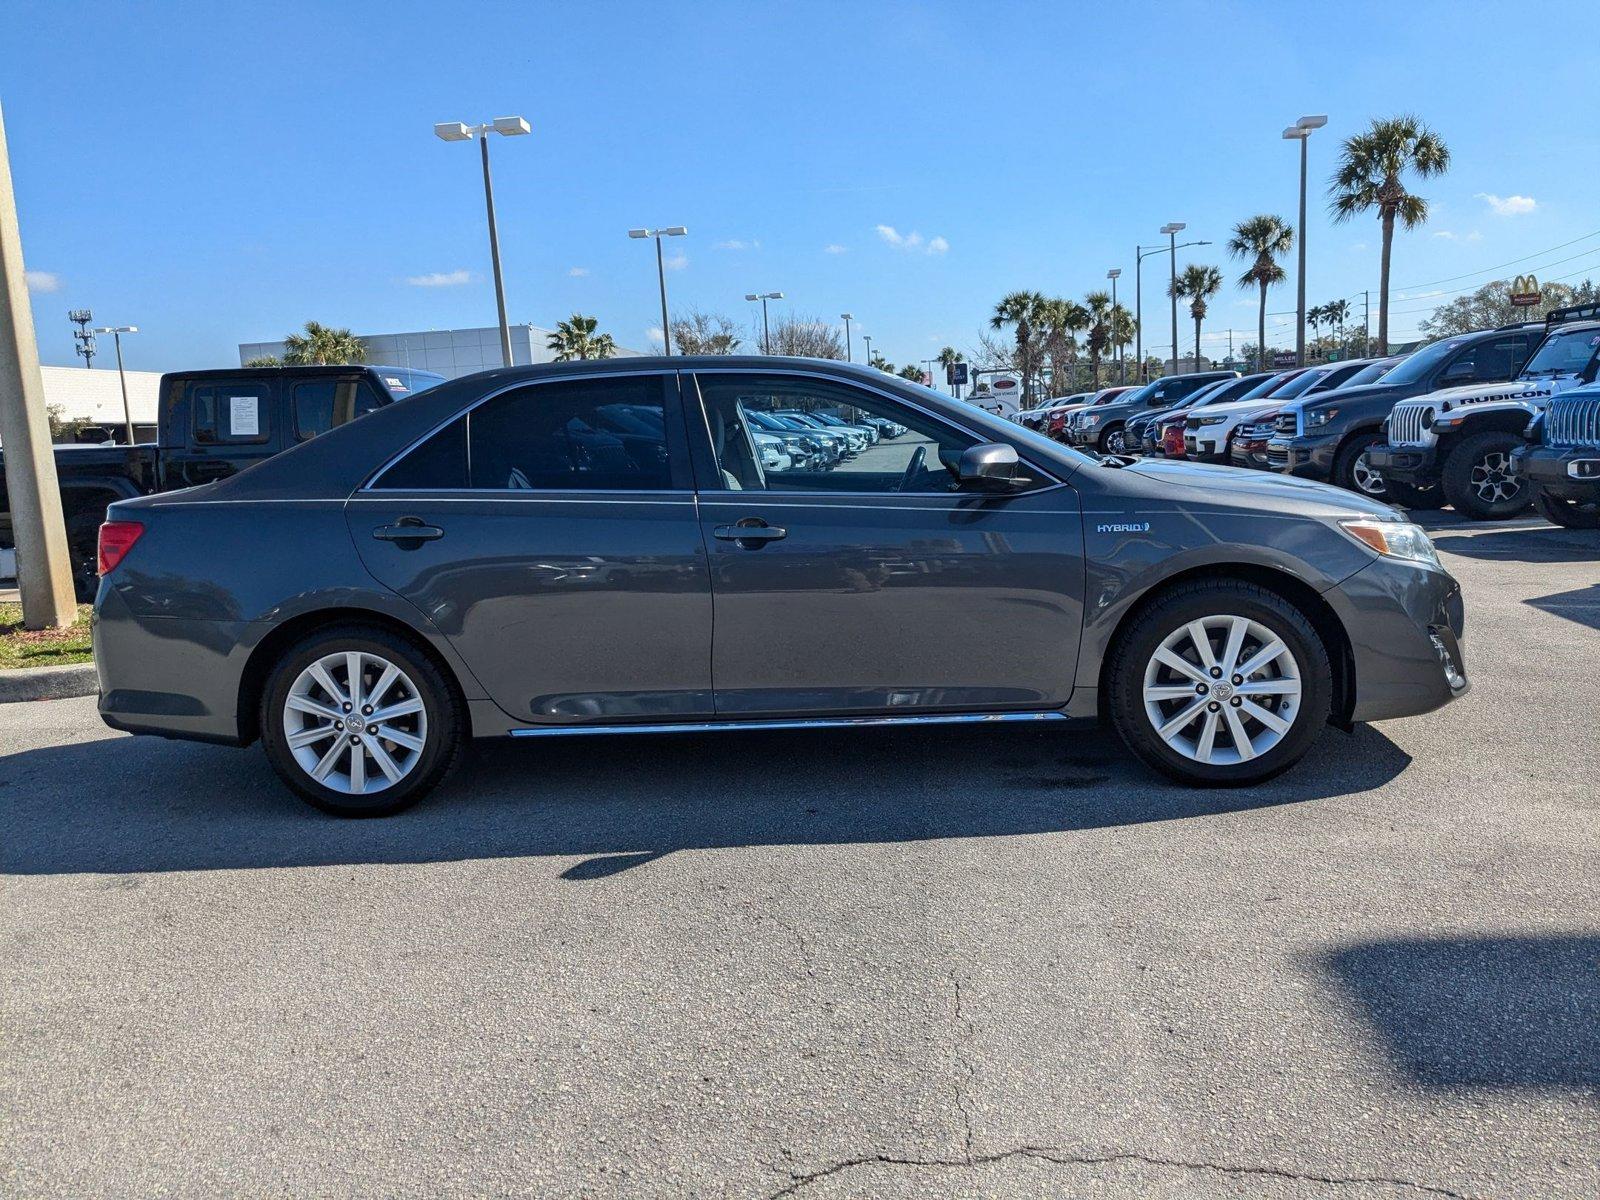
point(1368, 391)
point(1478, 393)
point(1259, 489)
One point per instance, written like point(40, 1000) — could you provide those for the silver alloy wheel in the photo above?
point(1117, 441)
point(1366, 476)
point(355, 722)
point(1222, 690)
point(1493, 480)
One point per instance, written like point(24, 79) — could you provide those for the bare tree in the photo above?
point(805, 337)
point(706, 333)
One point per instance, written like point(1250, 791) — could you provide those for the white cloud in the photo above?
point(834, 248)
point(1510, 206)
point(912, 240)
point(1474, 236)
point(677, 262)
point(43, 281)
point(441, 278)
point(577, 272)
point(654, 337)
point(738, 244)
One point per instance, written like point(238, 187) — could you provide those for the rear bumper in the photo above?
point(1303, 457)
point(1414, 465)
point(187, 680)
point(1563, 472)
point(1406, 629)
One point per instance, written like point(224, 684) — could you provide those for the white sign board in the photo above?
point(244, 416)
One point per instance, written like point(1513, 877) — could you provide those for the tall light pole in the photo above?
point(1140, 253)
point(455, 131)
point(661, 275)
point(1300, 132)
point(928, 362)
point(116, 332)
point(848, 317)
point(1114, 274)
point(867, 338)
point(766, 335)
point(1172, 228)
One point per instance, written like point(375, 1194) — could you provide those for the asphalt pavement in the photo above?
point(962, 962)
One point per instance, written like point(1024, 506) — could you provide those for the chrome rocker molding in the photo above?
point(792, 723)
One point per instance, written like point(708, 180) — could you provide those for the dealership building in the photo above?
point(448, 352)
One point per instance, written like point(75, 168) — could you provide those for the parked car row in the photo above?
point(1492, 423)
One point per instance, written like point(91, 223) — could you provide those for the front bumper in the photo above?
point(1251, 454)
point(1417, 466)
point(1304, 457)
point(1405, 624)
point(1205, 446)
point(1562, 472)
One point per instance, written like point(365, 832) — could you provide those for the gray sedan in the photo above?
point(499, 557)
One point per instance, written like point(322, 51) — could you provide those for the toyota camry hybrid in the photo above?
point(604, 548)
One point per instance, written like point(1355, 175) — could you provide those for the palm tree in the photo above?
point(1100, 332)
point(265, 360)
point(576, 338)
point(1372, 167)
point(321, 345)
point(1060, 322)
point(1024, 312)
point(1261, 239)
point(949, 357)
point(1336, 313)
point(1123, 328)
point(1197, 284)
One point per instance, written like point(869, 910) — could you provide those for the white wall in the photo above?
point(96, 395)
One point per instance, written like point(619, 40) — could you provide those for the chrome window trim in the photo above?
point(894, 398)
point(374, 476)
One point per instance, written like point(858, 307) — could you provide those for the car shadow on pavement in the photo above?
point(144, 804)
point(1581, 605)
point(1546, 544)
point(1481, 1012)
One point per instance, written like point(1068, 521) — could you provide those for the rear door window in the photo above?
point(324, 404)
point(230, 413)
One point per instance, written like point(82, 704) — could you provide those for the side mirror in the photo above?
point(991, 465)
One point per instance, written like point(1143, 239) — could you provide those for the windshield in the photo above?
point(1564, 353)
point(1300, 384)
point(980, 421)
point(1369, 373)
point(1266, 385)
point(1421, 364)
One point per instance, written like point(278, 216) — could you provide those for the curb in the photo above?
point(48, 683)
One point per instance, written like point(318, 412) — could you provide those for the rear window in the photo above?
point(323, 404)
point(230, 413)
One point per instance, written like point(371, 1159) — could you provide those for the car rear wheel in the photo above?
point(1478, 479)
point(1219, 684)
point(359, 722)
point(1354, 471)
point(1573, 514)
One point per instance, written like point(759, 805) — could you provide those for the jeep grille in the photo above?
point(1573, 422)
point(1405, 425)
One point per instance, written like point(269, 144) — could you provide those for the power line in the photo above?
point(1486, 270)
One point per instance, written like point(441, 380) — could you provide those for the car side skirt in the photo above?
point(792, 723)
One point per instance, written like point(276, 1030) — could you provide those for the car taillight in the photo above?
point(116, 539)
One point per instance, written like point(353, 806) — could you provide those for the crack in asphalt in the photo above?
point(1067, 1158)
point(965, 1063)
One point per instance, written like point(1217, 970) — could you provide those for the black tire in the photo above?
point(1116, 433)
point(1138, 642)
point(1571, 514)
point(446, 720)
point(1416, 499)
point(1351, 472)
point(1478, 482)
point(83, 548)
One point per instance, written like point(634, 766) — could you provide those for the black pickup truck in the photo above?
point(211, 424)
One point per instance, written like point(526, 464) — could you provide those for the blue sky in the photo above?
point(220, 173)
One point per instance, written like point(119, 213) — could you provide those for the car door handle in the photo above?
point(755, 533)
point(408, 529)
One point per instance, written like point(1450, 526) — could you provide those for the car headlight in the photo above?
point(1093, 418)
point(1316, 417)
point(1202, 422)
point(1394, 539)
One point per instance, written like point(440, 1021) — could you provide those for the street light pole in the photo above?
point(1116, 348)
point(848, 317)
point(1171, 229)
point(1140, 253)
point(456, 131)
point(928, 362)
point(867, 338)
point(766, 333)
point(1300, 132)
point(661, 276)
point(116, 332)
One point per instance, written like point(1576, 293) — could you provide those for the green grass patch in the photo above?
point(21, 647)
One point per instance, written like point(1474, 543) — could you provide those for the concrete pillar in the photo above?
point(44, 573)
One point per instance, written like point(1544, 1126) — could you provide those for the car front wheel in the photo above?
point(1219, 684)
point(1573, 514)
point(1114, 440)
point(1354, 470)
point(1479, 481)
point(359, 722)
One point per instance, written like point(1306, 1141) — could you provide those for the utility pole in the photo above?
point(116, 332)
point(44, 575)
point(1366, 322)
point(81, 318)
point(848, 317)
